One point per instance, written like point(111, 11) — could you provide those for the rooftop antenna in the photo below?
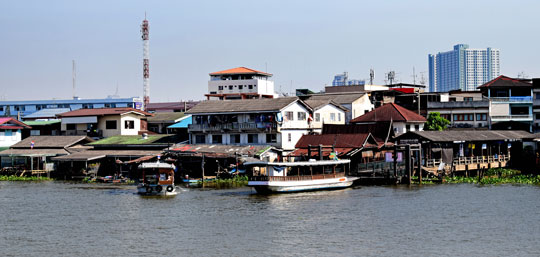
point(413, 76)
point(74, 77)
point(391, 76)
point(422, 78)
point(371, 76)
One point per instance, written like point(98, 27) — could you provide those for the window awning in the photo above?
point(79, 120)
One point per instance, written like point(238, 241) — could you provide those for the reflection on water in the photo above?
point(56, 218)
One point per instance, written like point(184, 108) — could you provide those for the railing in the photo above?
point(296, 178)
point(233, 126)
point(470, 160)
point(518, 99)
point(512, 117)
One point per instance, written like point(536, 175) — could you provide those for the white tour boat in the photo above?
point(280, 177)
point(157, 179)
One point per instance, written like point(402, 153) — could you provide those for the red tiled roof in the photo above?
point(390, 111)
point(102, 112)
point(304, 152)
point(11, 122)
point(240, 70)
point(504, 81)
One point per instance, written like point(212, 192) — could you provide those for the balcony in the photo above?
point(238, 127)
point(513, 99)
point(515, 117)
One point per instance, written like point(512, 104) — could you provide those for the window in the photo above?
point(467, 99)
point(537, 116)
point(417, 127)
point(289, 137)
point(317, 117)
point(200, 139)
point(129, 124)
point(289, 115)
point(332, 117)
point(230, 87)
point(8, 133)
point(271, 138)
point(1, 108)
point(235, 139)
point(19, 108)
point(301, 116)
point(217, 139)
point(480, 116)
point(110, 105)
point(339, 116)
point(110, 124)
point(407, 127)
point(253, 138)
point(71, 126)
point(446, 116)
point(240, 87)
point(34, 132)
point(250, 87)
point(88, 106)
point(220, 87)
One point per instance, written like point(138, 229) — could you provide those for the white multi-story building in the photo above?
point(279, 122)
point(240, 83)
point(462, 68)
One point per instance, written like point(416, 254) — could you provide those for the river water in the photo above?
point(58, 218)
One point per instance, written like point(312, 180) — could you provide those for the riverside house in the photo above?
point(278, 122)
point(104, 122)
point(10, 131)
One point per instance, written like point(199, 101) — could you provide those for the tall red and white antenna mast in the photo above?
point(146, 63)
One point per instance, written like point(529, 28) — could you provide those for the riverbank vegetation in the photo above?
point(489, 177)
point(236, 181)
point(17, 178)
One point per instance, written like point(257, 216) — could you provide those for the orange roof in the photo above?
point(240, 70)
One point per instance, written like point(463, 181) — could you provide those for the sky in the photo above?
point(303, 43)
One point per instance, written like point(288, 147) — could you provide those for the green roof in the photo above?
point(133, 140)
point(41, 122)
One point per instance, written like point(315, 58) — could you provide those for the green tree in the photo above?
point(436, 122)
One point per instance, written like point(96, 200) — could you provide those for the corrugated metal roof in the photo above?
point(51, 141)
point(97, 154)
point(46, 113)
point(469, 135)
point(34, 152)
point(227, 150)
point(42, 122)
point(103, 111)
point(166, 117)
point(337, 140)
point(340, 98)
point(239, 106)
point(390, 112)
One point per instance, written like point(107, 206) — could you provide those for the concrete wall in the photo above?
point(260, 86)
point(325, 114)
point(120, 125)
point(6, 141)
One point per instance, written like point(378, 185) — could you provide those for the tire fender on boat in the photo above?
point(158, 189)
point(170, 188)
point(148, 189)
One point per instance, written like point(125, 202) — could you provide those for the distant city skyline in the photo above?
point(462, 68)
point(304, 44)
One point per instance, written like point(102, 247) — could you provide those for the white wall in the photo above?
point(360, 106)
point(260, 86)
point(120, 126)
point(326, 114)
point(295, 136)
point(295, 123)
point(401, 127)
point(6, 141)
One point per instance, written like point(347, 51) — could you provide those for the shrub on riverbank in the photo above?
point(17, 178)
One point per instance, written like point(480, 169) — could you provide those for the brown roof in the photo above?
point(390, 112)
point(164, 117)
point(52, 141)
point(504, 81)
point(102, 112)
point(317, 104)
point(240, 70)
point(33, 152)
point(469, 135)
point(337, 140)
point(9, 123)
point(382, 131)
point(98, 154)
point(340, 98)
point(239, 106)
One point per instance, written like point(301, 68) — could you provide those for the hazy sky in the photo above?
point(303, 43)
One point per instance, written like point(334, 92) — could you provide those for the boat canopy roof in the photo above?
point(293, 164)
point(154, 165)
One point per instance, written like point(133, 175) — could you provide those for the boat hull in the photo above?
point(266, 187)
point(153, 190)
